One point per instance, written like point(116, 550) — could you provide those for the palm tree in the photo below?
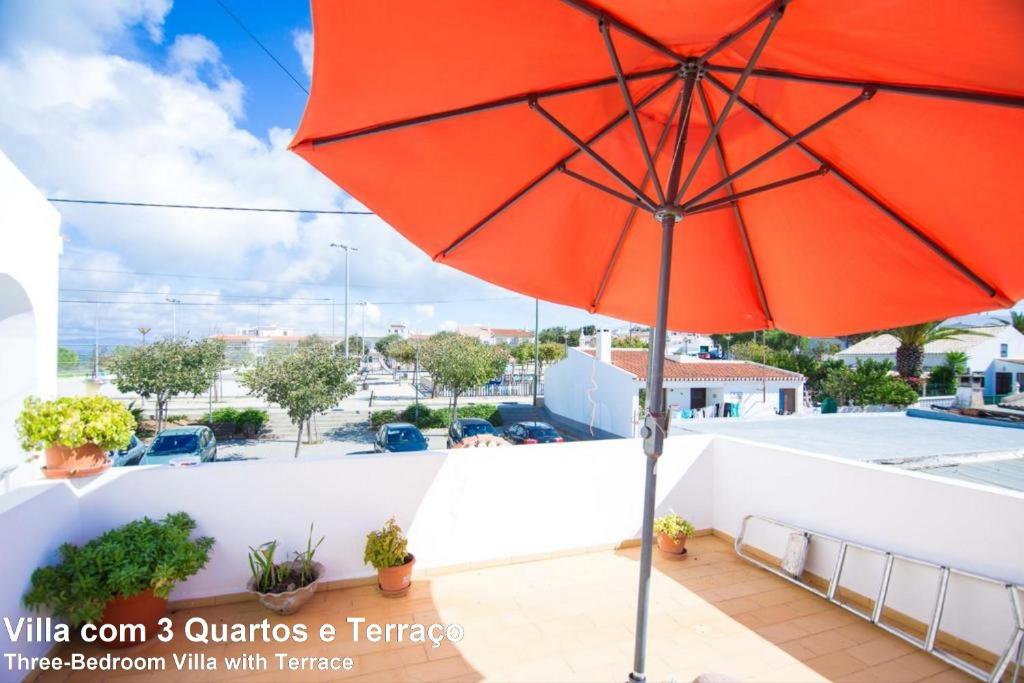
point(144, 331)
point(1017, 320)
point(913, 338)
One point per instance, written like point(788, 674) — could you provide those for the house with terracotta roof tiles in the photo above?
point(603, 387)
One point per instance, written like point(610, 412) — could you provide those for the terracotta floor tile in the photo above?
point(572, 619)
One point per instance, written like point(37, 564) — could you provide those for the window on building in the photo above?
point(1004, 350)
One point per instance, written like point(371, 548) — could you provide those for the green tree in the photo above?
point(551, 352)
point(66, 359)
point(167, 368)
point(869, 383)
point(459, 363)
point(383, 343)
point(1017, 320)
point(355, 344)
point(553, 334)
point(944, 378)
point(912, 340)
point(630, 342)
point(312, 379)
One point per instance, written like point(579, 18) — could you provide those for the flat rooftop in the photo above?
point(866, 437)
point(571, 619)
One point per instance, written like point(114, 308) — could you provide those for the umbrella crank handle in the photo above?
point(655, 425)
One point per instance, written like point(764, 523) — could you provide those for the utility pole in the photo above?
point(96, 345)
point(536, 347)
point(347, 249)
point(174, 314)
point(332, 317)
point(362, 337)
point(415, 384)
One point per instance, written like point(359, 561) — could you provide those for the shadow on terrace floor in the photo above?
point(753, 625)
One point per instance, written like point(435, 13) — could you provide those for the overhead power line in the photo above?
point(264, 47)
point(215, 277)
point(282, 303)
point(205, 207)
point(216, 294)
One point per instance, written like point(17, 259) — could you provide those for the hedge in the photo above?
point(437, 418)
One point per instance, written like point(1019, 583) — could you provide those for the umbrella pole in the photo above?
point(655, 424)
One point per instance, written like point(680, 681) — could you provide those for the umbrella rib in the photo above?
point(584, 147)
point(681, 133)
point(741, 224)
point(611, 125)
point(774, 8)
point(736, 196)
point(751, 63)
point(882, 86)
point(873, 199)
point(614, 258)
point(631, 31)
point(791, 140)
point(633, 201)
point(487, 106)
point(641, 139)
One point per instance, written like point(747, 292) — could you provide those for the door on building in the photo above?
point(787, 401)
point(698, 398)
point(1004, 383)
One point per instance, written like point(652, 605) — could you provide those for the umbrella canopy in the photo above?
point(905, 206)
point(821, 166)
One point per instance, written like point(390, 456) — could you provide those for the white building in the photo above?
point(496, 335)
point(604, 391)
point(688, 344)
point(400, 329)
point(29, 263)
point(988, 351)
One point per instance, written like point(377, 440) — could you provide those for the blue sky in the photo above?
point(145, 100)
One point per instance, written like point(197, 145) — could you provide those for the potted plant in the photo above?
point(672, 532)
point(76, 433)
point(387, 551)
point(284, 588)
point(122, 577)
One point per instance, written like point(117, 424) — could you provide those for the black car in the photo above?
point(468, 426)
point(532, 432)
point(399, 437)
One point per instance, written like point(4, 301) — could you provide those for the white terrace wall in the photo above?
point(463, 507)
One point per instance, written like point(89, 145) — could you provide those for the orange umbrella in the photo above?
point(820, 166)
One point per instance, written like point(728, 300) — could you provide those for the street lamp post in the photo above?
point(536, 347)
point(174, 315)
point(347, 249)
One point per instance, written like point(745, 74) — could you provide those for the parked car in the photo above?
point(399, 437)
point(178, 442)
point(468, 426)
point(532, 432)
point(129, 456)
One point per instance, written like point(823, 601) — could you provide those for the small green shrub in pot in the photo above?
point(286, 586)
point(123, 576)
point(672, 532)
point(75, 432)
point(387, 550)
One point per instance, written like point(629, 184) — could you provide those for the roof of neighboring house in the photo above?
point(885, 344)
point(506, 332)
point(634, 361)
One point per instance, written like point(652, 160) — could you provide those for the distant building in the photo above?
point(991, 352)
point(496, 335)
point(688, 344)
point(602, 387)
point(255, 342)
point(400, 329)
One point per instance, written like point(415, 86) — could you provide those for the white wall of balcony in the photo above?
point(461, 507)
point(29, 262)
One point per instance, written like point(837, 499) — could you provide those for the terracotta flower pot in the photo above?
point(142, 608)
point(675, 546)
point(289, 602)
point(63, 462)
point(394, 581)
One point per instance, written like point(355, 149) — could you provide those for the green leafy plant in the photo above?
point(141, 555)
point(74, 421)
point(224, 416)
point(387, 547)
point(269, 576)
point(252, 417)
point(382, 417)
point(673, 526)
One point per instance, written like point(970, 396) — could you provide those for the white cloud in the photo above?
point(425, 310)
point(448, 326)
point(302, 41)
point(78, 25)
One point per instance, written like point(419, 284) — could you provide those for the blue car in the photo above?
point(179, 442)
point(129, 456)
point(399, 437)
